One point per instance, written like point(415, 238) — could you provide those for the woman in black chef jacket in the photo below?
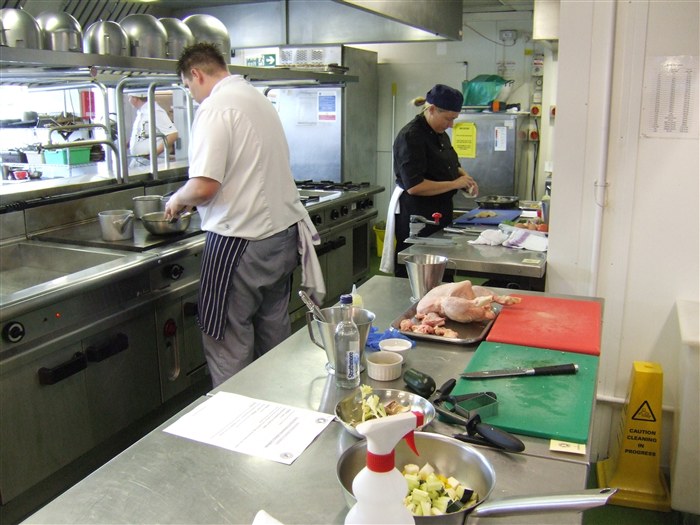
point(426, 167)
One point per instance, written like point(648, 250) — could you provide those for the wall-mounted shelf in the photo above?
point(28, 66)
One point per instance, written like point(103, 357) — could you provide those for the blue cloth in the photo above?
point(374, 337)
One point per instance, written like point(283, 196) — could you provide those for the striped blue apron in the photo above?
point(220, 257)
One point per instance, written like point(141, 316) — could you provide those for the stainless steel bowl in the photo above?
point(147, 36)
point(62, 32)
point(19, 29)
point(179, 36)
point(106, 38)
point(349, 410)
point(450, 457)
point(157, 224)
point(207, 28)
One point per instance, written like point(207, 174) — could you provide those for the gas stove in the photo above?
point(331, 186)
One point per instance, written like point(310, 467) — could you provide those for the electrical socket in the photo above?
point(508, 35)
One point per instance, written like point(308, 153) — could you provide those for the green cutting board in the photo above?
point(554, 407)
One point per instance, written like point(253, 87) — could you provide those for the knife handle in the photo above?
point(555, 370)
point(500, 437)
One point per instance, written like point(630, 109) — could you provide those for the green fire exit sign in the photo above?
point(265, 60)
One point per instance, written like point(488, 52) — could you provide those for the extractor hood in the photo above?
point(324, 22)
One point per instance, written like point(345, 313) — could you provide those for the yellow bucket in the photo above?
point(379, 234)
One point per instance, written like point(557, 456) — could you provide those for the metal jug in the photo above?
point(363, 319)
point(425, 272)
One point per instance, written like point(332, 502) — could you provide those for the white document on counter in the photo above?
point(251, 426)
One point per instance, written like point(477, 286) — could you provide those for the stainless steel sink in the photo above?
point(24, 265)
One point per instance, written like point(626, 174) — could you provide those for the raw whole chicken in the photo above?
point(462, 302)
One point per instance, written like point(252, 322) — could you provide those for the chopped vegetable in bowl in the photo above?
point(373, 408)
point(431, 494)
point(365, 404)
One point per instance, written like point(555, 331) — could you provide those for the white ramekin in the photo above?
point(384, 366)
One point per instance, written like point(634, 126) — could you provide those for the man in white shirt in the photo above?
point(241, 182)
point(139, 143)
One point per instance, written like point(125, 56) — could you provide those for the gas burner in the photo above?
point(308, 200)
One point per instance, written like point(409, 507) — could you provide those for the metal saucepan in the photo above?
point(116, 225)
point(451, 457)
point(144, 204)
point(498, 202)
point(157, 224)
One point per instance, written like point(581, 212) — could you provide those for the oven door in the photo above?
point(179, 341)
point(72, 392)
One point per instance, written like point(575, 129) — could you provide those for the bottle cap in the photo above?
point(346, 299)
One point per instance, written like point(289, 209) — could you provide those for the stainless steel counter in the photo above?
point(167, 479)
point(477, 259)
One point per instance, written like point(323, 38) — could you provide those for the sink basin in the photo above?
point(27, 264)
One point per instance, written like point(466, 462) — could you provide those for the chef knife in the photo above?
point(554, 370)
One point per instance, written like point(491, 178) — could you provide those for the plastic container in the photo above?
point(379, 233)
point(379, 487)
point(34, 157)
point(68, 156)
point(357, 301)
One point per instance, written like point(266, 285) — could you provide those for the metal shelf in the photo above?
point(28, 66)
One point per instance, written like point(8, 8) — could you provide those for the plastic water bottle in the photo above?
point(347, 348)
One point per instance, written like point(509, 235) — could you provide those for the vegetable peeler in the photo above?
point(467, 410)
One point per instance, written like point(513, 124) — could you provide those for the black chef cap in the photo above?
point(445, 97)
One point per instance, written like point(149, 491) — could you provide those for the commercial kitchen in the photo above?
point(101, 364)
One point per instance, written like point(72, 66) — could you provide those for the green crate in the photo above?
point(70, 156)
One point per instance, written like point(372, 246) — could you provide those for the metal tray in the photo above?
point(469, 333)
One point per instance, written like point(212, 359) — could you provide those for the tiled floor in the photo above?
point(610, 514)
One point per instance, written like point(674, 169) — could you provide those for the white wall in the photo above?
point(647, 260)
point(646, 255)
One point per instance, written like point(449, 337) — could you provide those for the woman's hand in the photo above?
point(470, 185)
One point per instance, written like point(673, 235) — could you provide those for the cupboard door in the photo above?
point(122, 375)
point(43, 427)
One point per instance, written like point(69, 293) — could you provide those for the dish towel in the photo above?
point(311, 275)
point(527, 241)
point(490, 237)
point(387, 263)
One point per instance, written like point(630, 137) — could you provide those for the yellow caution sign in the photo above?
point(634, 464)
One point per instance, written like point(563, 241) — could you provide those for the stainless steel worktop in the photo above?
point(167, 479)
point(479, 258)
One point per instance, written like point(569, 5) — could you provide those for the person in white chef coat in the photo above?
point(139, 142)
point(257, 229)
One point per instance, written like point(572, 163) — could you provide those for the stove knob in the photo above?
point(173, 271)
point(344, 210)
point(317, 219)
point(335, 215)
point(362, 204)
point(170, 328)
point(13, 332)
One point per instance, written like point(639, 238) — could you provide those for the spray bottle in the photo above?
point(379, 487)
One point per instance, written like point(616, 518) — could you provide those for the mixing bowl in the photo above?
point(349, 410)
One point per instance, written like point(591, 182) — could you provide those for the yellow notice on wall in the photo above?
point(464, 139)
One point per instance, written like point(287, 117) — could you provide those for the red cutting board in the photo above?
point(569, 325)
